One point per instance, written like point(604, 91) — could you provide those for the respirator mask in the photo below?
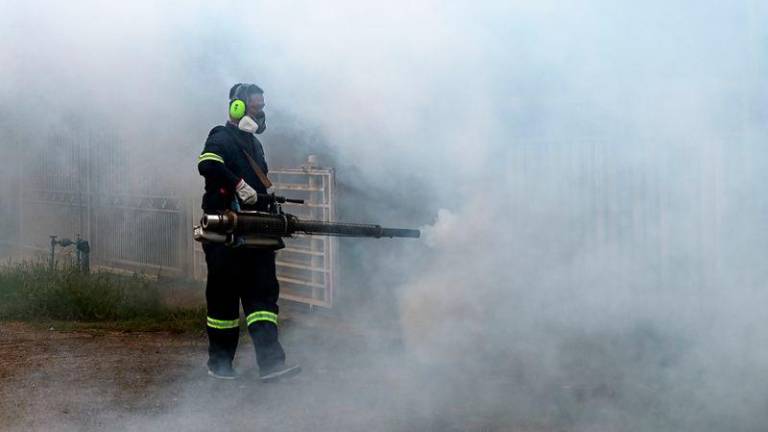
point(251, 125)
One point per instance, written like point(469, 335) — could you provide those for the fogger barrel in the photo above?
point(285, 225)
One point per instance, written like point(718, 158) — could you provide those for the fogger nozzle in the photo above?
point(216, 222)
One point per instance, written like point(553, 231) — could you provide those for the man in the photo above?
point(235, 169)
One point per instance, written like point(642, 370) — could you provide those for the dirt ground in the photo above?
point(52, 380)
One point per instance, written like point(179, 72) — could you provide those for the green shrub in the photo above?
point(31, 291)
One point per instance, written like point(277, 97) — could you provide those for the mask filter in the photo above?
point(247, 124)
point(261, 120)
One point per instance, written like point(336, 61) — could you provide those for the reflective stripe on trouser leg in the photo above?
point(261, 316)
point(222, 324)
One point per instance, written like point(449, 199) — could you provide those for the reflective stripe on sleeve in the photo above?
point(261, 316)
point(210, 156)
point(223, 324)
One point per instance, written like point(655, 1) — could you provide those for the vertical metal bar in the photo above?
point(20, 200)
point(88, 171)
point(77, 149)
point(327, 241)
point(314, 244)
point(187, 254)
point(331, 253)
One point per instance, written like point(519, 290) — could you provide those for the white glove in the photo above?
point(246, 193)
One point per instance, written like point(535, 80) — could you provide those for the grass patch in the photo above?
point(32, 292)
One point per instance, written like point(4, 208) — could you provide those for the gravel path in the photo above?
point(95, 380)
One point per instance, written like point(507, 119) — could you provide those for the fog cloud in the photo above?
point(589, 175)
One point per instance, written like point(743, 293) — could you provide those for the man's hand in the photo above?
point(246, 193)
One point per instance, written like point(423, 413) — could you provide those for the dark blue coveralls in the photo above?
point(237, 275)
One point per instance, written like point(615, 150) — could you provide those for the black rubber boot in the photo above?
point(221, 371)
point(278, 372)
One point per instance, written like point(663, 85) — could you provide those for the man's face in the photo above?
point(255, 105)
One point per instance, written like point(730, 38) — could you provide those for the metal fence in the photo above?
point(131, 232)
point(70, 195)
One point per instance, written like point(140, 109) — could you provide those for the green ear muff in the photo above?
point(237, 109)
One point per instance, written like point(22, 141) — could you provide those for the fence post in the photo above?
point(313, 242)
point(188, 256)
point(20, 203)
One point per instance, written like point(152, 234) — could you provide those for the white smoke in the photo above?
point(593, 171)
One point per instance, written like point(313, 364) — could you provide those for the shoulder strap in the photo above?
point(257, 169)
point(254, 166)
